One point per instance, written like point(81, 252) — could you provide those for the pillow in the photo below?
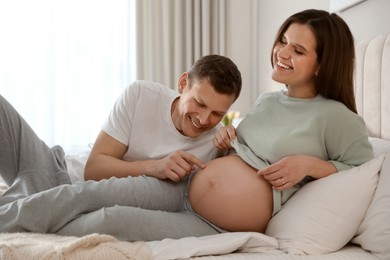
point(374, 232)
point(325, 214)
point(379, 145)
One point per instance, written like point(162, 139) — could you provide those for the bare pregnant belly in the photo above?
point(230, 194)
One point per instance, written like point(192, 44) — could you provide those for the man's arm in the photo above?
point(105, 161)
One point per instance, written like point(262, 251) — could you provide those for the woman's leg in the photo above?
point(137, 224)
point(27, 164)
point(48, 211)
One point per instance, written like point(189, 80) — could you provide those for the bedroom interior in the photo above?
point(357, 227)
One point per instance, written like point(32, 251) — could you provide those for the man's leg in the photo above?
point(48, 211)
point(137, 224)
point(27, 164)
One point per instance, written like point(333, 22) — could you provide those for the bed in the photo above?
point(343, 216)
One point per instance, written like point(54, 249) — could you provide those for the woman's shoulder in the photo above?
point(337, 113)
point(334, 107)
point(267, 96)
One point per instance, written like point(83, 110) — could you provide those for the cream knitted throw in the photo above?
point(51, 247)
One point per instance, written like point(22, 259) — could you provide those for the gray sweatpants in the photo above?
point(41, 198)
point(27, 164)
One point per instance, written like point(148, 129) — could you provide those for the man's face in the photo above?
point(199, 108)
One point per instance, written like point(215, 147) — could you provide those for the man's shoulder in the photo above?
point(144, 85)
point(147, 91)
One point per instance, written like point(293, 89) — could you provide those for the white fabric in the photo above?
point(346, 253)
point(325, 214)
point(219, 244)
point(75, 163)
point(374, 232)
point(21, 246)
point(379, 145)
point(141, 119)
point(241, 245)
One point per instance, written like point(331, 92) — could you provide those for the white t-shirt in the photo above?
point(141, 119)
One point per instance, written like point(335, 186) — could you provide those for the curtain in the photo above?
point(63, 63)
point(173, 34)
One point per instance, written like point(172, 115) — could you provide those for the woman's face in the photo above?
point(295, 61)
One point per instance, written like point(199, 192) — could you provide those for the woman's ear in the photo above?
point(182, 83)
point(317, 71)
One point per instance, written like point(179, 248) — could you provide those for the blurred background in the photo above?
point(63, 63)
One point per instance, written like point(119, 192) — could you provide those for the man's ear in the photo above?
point(182, 83)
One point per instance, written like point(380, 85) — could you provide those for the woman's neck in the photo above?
point(301, 92)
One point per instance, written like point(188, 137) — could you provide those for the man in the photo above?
point(160, 123)
point(151, 131)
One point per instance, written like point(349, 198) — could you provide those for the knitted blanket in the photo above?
point(21, 246)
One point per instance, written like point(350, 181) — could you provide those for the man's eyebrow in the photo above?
point(199, 100)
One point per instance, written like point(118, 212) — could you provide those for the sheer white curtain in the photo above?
point(63, 63)
point(173, 34)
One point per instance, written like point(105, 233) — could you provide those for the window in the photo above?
point(63, 63)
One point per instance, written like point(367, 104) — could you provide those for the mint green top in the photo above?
point(279, 126)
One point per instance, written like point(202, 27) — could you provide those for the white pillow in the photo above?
point(374, 233)
point(325, 214)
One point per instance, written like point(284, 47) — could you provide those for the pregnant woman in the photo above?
point(305, 132)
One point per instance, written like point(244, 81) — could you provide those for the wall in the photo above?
point(368, 18)
point(238, 46)
point(252, 25)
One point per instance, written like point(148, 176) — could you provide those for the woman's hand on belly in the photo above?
point(290, 170)
point(230, 194)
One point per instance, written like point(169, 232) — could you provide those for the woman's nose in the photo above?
point(284, 53)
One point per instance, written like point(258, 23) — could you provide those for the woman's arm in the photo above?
point(292, 169)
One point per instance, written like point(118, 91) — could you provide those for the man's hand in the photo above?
point(176, 166)
point(226, 134)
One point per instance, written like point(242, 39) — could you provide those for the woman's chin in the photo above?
point(277, 78)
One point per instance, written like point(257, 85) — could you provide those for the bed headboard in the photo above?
point(372, 84)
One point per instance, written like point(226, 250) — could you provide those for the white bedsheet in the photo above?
point(220, 244)
point(240, 245)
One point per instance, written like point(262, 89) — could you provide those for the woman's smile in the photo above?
point(284, 66)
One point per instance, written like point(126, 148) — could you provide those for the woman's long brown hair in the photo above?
point(335, 54)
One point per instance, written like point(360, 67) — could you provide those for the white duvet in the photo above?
point(49, 246)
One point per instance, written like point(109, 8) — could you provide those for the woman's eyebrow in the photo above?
point(297, 45)
point(300, 47)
